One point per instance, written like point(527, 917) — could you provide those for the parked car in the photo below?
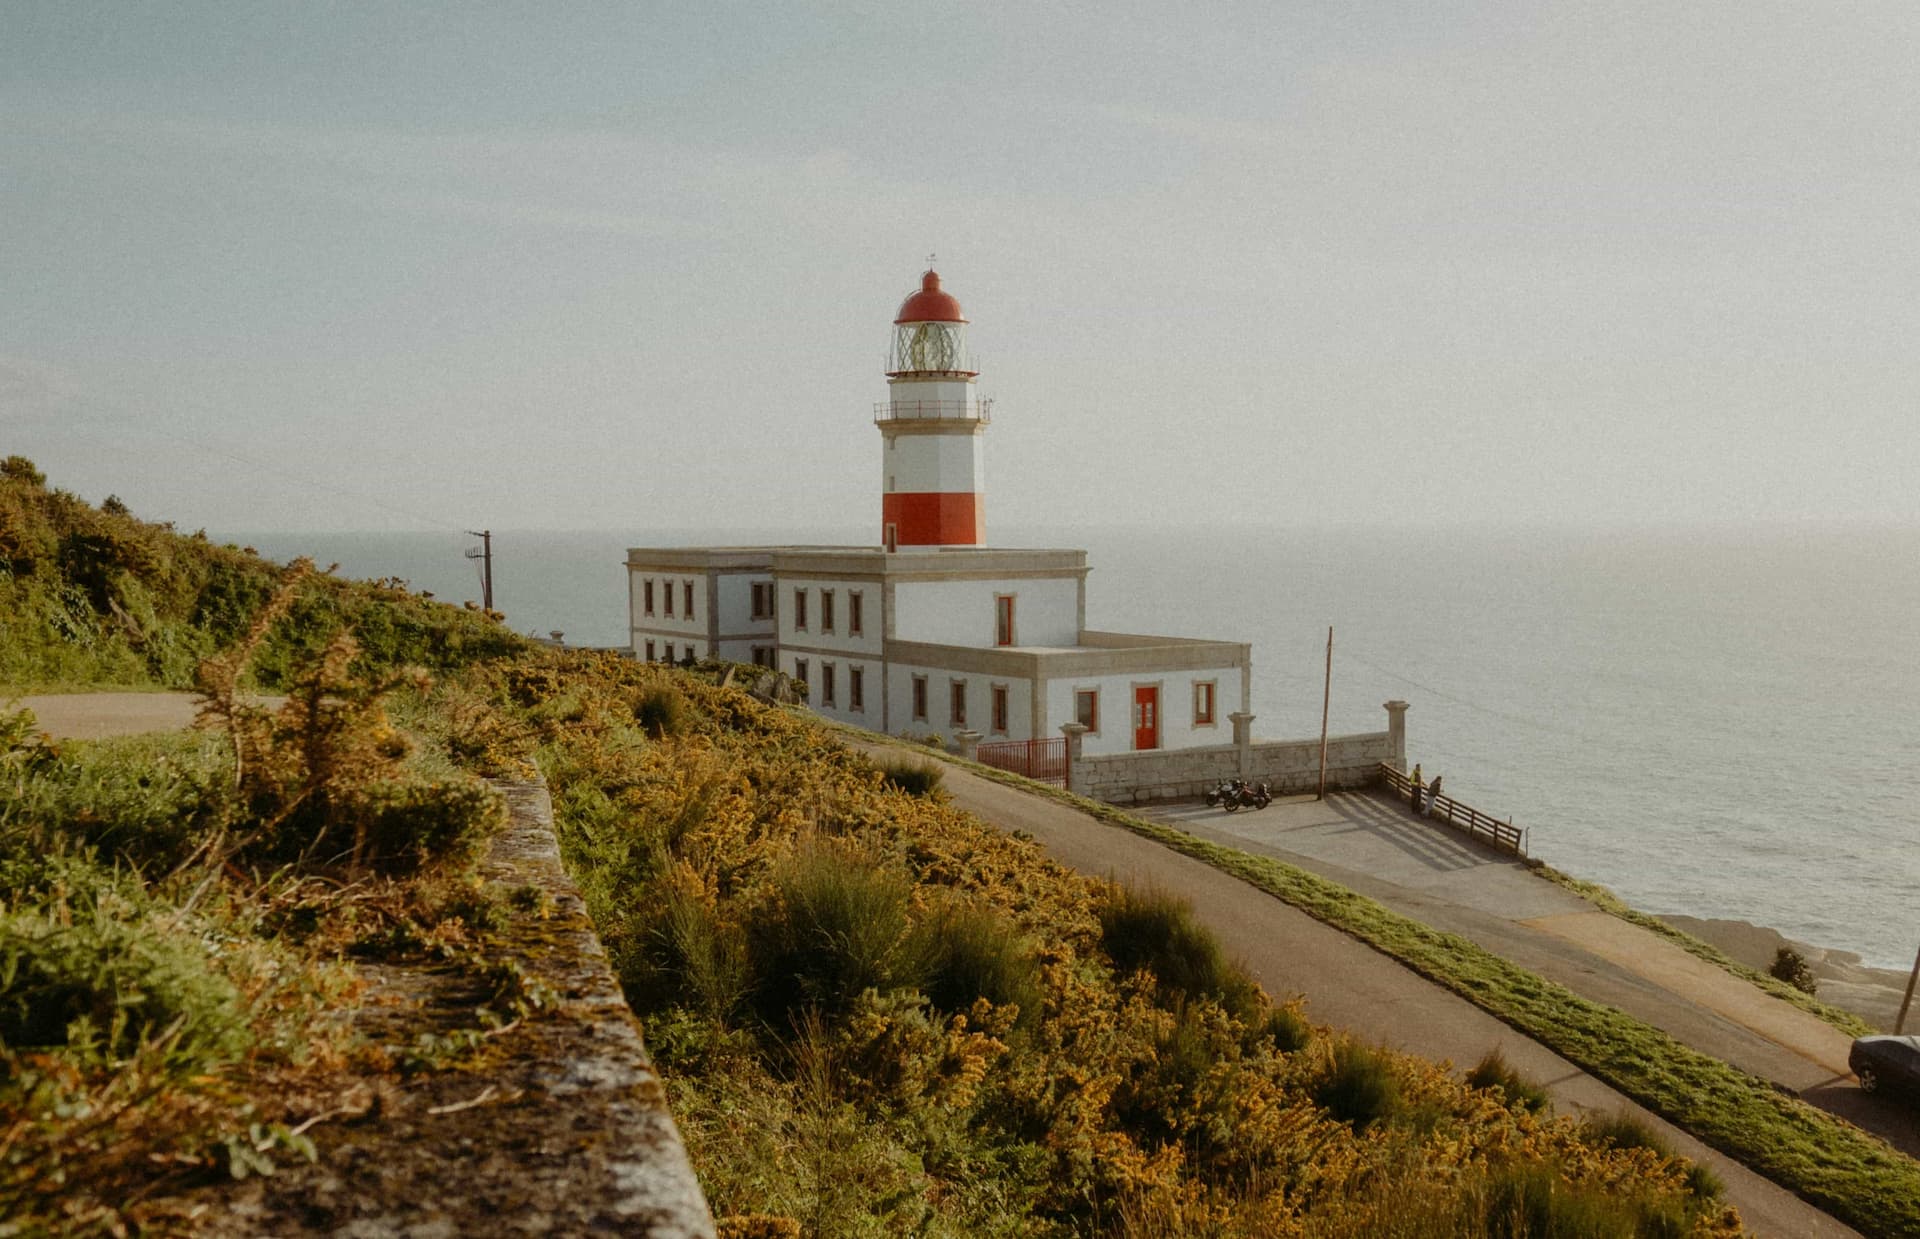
point(1887, 1064)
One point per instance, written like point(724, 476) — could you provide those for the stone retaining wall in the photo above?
point(1288, 766)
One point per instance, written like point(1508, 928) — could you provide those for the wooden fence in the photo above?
point(1464, 818)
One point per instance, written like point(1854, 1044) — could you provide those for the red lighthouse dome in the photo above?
point(930, 304)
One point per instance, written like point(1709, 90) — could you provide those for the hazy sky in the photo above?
point(633, 266)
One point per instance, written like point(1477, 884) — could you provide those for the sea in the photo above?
point(1715, 721)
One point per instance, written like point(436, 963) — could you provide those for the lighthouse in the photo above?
point(931, 428)
point(932, 630)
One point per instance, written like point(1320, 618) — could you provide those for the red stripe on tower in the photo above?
point(933, 492)
point(935, 519)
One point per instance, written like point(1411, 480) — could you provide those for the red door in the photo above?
point(1146, 717)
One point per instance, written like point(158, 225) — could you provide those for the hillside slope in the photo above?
point(96, 597)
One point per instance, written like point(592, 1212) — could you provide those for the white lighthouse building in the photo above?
point(932, 630)
point(932, 424)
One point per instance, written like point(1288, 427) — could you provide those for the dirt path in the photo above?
point(1349, 985)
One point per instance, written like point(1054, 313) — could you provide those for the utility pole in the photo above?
point(1900, 1024)
point(485, 556)
point(1326, 700)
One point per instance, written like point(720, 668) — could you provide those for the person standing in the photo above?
point(1433, 795)
point(1418, 785)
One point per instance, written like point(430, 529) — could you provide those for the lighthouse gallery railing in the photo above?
point(933, 411)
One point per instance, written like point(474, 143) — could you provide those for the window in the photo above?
point(763, 600)
point(826, 684)
point(800, 609)
point(649, 651)
point(688, 595)
point(763, 656)
point(1000, 708)
point(919, 698)
point(1203, 703)
point(857, 689)
point(1003, 619)
point(854, 625)
point(892, 536)
point(800, 670)
point(666, 588)
point(1086, 708)
point(957, 702)
point(826, 610)
point(646, 596)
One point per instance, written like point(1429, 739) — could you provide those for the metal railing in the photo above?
point(933, 411)
point(1045, 760)
point(1464, 818)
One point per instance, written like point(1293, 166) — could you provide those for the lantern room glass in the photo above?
point(930, 348)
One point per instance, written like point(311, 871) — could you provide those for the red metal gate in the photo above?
point(1044, 760)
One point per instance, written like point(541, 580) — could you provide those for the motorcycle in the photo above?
point(1236, 794)
point(1226, 795)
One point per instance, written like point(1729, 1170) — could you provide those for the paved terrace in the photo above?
point(1372, 843)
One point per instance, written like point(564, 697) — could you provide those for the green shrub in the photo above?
point(1289, 1029)
point(1623, 1131)
point(415, 826)
point(146, 801)
point(1704, 1182)
point(915, 778)
point(661, 711)
point(832, 928)
point(100, 978)
point(1520, 1093)
point(1791, 966)
point(20, 469)
point(1361, 1086)
point(706, 954)
point(972, 952)
point(1156, 930)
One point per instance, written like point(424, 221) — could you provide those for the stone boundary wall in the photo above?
point(1288, 766)
point(561, 1128)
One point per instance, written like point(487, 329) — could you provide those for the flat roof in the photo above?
point(863, 560)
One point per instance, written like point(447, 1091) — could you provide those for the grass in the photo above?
point(1610, 903)
point(1849, 1173)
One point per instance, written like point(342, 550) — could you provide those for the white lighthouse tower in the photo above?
point(932, 482)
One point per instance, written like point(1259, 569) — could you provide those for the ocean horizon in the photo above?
point(1713, 720)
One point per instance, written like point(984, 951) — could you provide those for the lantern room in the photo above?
point(930, 334)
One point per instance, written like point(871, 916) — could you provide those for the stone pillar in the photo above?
point(1074, 732)
point(1243, 740)
point(969, 742)
point(1397, 734)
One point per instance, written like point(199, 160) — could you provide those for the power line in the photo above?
point(1494, 711)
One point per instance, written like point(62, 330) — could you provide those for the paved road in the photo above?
point(91, 716)
point(1349, 985)
point(1373, 844)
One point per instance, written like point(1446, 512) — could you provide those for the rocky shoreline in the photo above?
point(1844, 981)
